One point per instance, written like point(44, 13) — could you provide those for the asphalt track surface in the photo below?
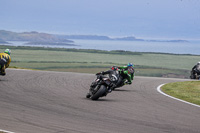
point(54, 102)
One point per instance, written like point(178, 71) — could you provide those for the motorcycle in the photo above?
point(102, 85)
point(195, 73)
point(99, 87)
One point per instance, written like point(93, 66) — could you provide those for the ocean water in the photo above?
point(191, 47)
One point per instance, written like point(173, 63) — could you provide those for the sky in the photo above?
point(177, 19)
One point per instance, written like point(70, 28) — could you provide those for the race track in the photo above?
point(54, 102)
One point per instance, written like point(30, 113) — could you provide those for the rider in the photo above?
point(5, 60)
point(113, 75)
point(128, 73)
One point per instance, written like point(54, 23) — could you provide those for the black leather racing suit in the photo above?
point(114, 77)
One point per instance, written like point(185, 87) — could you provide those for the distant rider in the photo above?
point(5, 60)
point(195, 70)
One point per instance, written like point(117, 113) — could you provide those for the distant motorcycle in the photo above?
point(195, 73)
point(99, 87)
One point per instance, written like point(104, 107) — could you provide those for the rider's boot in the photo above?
point(2, 71)
point(111, 88)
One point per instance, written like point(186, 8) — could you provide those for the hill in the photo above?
point(45, 37)
point(30, 37)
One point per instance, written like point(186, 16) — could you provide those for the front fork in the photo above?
point(93, 86)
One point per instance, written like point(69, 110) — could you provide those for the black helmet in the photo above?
point(115, 68)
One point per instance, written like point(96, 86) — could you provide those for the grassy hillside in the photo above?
point(147, 64)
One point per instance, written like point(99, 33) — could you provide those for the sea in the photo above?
point(190, 47)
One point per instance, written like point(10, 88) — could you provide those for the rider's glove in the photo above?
point(98, 73)
point(102, 72)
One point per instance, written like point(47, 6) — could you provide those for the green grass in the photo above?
point(187, 91)
point(79, 60)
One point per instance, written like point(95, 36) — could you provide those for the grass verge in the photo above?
point(188, 91)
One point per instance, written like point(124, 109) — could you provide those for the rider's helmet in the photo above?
point(130, 68)
point(198, 63)
point(130, 65)
point(115, 68)
point(8, 51)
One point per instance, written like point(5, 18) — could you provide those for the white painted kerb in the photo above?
point(5, 131)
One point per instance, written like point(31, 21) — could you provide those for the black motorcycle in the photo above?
point(99, 87)
point(195, 74)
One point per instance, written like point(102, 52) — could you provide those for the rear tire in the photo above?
point(99, 93)
point(193, 76)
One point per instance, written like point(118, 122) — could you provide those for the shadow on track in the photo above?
point(102, 100)
point(123, 90)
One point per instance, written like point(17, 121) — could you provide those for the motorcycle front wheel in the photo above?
point(99, 93)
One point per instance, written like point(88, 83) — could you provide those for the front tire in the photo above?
point(88, 95)
point(99, 93)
